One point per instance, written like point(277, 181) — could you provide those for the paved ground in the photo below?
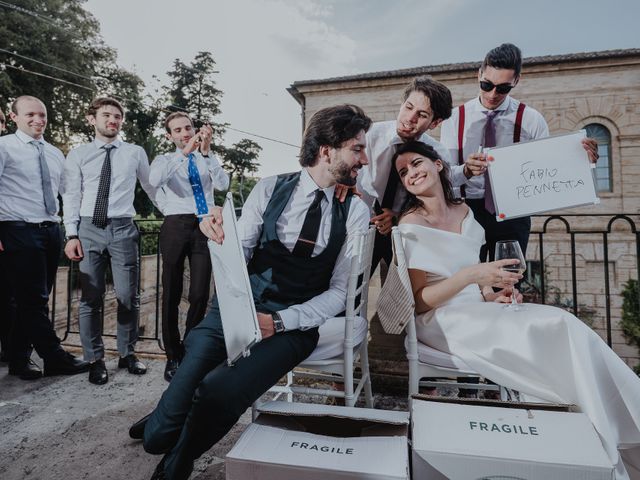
point(66, 428)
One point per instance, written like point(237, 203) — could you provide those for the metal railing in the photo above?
point(546, 229)
point(581, 226)
point(72, 286)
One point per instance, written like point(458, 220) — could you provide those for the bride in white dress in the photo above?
point(542, 351)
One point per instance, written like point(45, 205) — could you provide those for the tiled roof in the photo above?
point(455, 67)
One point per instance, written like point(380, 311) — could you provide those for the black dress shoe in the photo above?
point(64, 364)
point(170, 369)
point(131, 363)
point(98, 373)
point(29, 371)
point(136, 431)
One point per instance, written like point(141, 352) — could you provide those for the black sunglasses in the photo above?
point(503, 88)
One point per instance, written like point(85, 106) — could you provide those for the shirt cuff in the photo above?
point(290, 319)
point(457, 176)
point(71, 229)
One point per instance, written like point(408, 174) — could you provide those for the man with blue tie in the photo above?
point(30, 239)
point(187, 177)
point(100, 182)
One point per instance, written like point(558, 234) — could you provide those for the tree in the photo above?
point(59, 33)
point(193, 89)
point(239, 160)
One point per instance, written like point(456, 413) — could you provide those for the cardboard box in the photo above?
point(496, 440)
point(300, 441)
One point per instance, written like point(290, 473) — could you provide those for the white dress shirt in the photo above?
point(170, 173)
point(82, 177)
point(331, 302)
point(382, 141)
point(21, 196)
point(534, 126)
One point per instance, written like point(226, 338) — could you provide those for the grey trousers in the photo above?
point(117, 243)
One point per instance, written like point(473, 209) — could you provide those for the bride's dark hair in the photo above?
point(412, 202)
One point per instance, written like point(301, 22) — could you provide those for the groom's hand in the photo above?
point(211, 225)
point(267, 328)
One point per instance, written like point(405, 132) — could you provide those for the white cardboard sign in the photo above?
point(541, 176)
point(237, 310)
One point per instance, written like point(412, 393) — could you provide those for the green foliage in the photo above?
point(630, 322)
point(239, 160)
point(149, 236)
point(61, 33)
point(65, 35)
point(193, 89)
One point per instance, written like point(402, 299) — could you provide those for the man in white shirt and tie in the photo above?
point(297, 239)
point(187, 178)
point(30, 239)
point(100, 182)
point(491, 119)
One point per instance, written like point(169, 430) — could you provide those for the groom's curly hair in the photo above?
point(412, 202)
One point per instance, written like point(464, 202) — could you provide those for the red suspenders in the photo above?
point(463, 189)
point(517, 128)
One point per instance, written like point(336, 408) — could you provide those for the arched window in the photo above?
point(604, 181)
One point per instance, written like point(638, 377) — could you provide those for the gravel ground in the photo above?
point(66, 428)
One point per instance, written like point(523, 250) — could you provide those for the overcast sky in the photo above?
point(263, 46)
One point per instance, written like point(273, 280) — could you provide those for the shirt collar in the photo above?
point(99, 143)
point(23, 137)
point(309, 186)
point(502, 107)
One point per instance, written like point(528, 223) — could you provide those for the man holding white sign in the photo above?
point(297, 242)
point(493, 119)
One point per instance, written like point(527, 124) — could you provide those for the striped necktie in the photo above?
point(102, 198)
point(50, 203)
point(196, 186)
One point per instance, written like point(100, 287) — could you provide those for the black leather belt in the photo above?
point(18, 223)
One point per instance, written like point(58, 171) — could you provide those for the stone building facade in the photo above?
point(598, 91)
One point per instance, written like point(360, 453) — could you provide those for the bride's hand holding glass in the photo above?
point(495, 274)
point(511, 249)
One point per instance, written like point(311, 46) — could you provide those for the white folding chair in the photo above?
point(441, 368)
point(343, 340)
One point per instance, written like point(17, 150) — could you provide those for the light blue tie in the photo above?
point(196, 186)
point(50, 203)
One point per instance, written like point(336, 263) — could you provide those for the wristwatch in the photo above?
point(70, 237)
point(278, 324)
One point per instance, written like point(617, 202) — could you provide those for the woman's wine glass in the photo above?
point(511, 249)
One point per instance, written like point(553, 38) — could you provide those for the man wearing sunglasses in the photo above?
point(493, 119)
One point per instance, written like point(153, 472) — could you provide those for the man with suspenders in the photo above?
point(493, 119)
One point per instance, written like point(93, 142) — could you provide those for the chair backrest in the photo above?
point(358, 285)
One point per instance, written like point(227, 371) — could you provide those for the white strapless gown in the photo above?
point(543, 351)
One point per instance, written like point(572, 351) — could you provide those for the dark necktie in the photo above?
point(196, 186)
point(391, 188)
point(310, 228)
point(489, 141)
point(50, 204)
point(102, 198)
